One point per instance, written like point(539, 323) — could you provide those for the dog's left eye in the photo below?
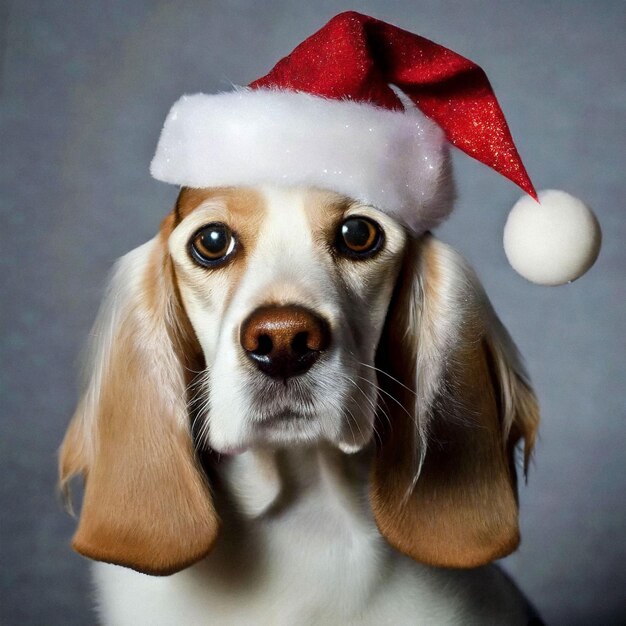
point(212, 245)
point(359, 237)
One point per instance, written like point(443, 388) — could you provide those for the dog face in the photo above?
point(288, 307)
point(274, 317)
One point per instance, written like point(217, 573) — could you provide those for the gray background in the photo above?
point(85, 88)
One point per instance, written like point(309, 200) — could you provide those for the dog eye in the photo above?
point(212, 244)
point(359, 237)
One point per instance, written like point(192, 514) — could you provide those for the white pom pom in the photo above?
point(553, 241)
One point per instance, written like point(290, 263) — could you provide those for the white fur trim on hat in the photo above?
point(396, 161)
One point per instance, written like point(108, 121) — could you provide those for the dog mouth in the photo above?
point(287, 415)
point(282, 420)
point(293, 400)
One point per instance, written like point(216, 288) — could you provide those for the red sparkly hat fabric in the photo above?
point(358, 57)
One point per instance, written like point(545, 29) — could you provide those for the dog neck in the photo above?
point(269, 484)
point(297, 519)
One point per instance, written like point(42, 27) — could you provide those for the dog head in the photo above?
point(288, 309)
point(281, 316)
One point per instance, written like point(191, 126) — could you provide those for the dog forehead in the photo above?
point(285, 218)
point(284, 207)
point(296, 217)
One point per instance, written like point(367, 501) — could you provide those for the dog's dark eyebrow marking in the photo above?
point(344, 204)
point(177, 218)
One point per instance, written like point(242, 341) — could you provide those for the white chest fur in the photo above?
point(300, 547)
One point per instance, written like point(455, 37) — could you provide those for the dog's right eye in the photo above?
point(212, 245)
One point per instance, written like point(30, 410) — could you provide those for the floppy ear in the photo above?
point(146, 503)
point(444, 482)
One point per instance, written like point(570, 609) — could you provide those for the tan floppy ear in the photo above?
point(444, 481)
point(146, 503)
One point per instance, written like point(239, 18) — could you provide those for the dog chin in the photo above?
point(290, 428)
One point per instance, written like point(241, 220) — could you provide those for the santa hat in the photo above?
point(367, 109)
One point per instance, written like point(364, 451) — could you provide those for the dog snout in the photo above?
point(284, 341)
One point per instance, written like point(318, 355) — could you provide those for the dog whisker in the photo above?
point(384, 373)
point(389, 395)
point(375, 407)
point(345, 408)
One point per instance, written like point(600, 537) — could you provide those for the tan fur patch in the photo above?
point(325, 210)
point(244, 206)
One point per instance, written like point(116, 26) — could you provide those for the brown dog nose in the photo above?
point(284, 341)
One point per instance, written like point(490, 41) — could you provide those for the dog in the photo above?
point(298, 412)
